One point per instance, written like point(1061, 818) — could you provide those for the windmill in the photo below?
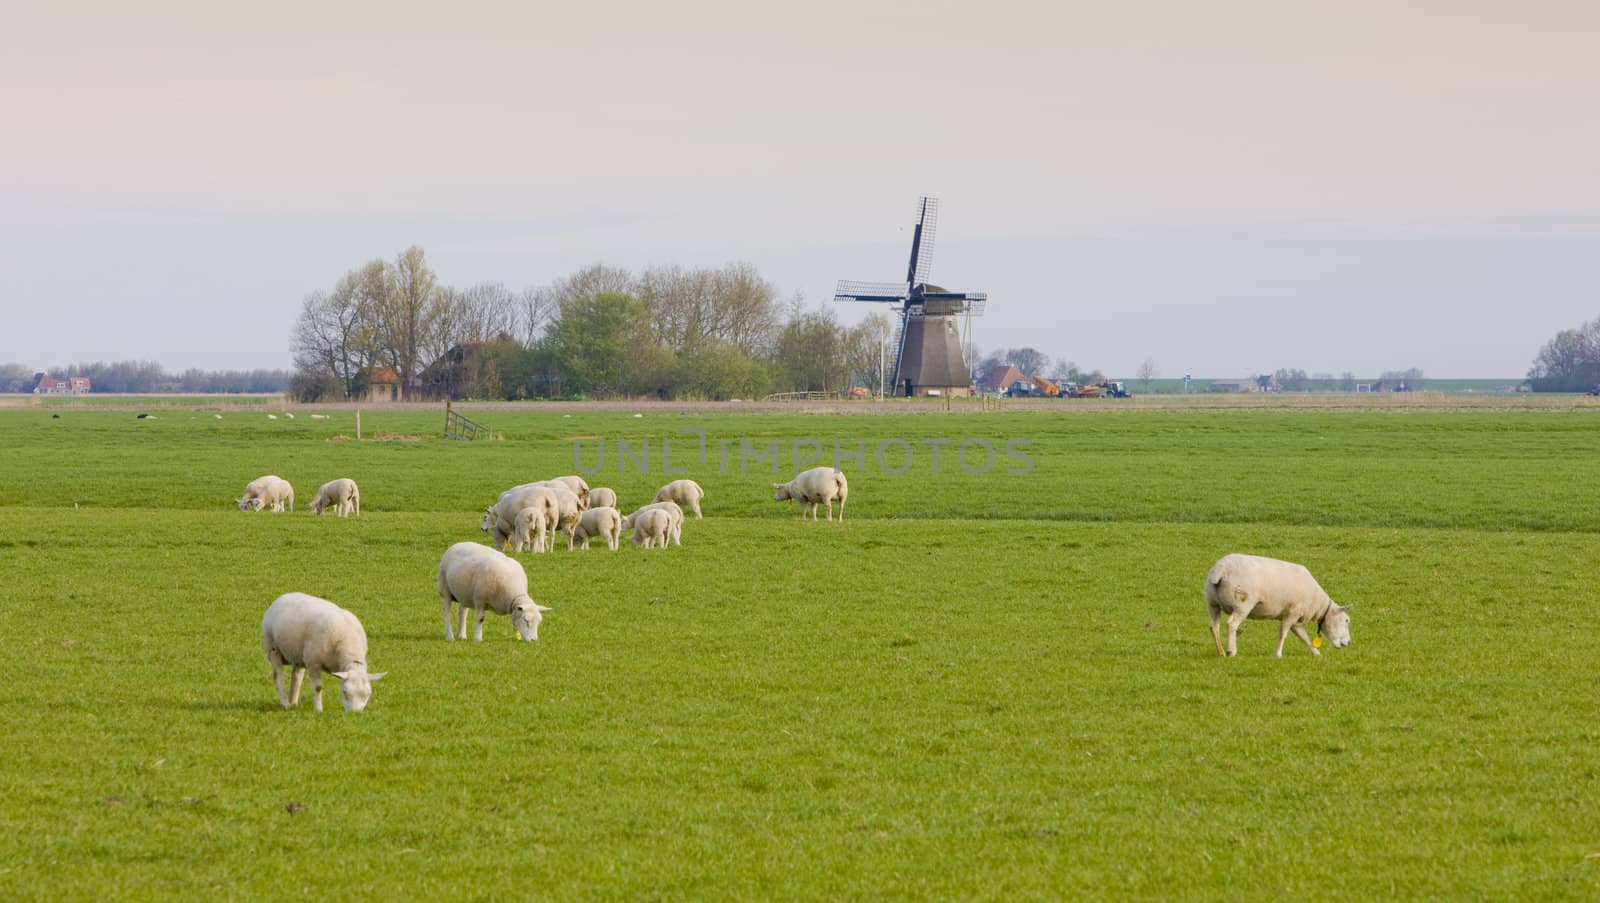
point(928, 358)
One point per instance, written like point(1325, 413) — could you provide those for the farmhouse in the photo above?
point(1000, 378)
point(45, 384)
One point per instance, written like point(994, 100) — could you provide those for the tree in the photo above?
point(1146, 373)
point(1347, 381)
point(1031, 361)
point(1410, 379)
point(810, 352)
point(15, 378)
point(1290, 380)
point(1570, 362)
point(604, 345)
point(407, 307)
point(333, 336)
point(1067, 371)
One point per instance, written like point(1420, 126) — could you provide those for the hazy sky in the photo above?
point(1229, 187)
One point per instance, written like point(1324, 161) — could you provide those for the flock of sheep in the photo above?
point(311, 634)
point(315, 635)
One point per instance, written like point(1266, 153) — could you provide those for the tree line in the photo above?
point(603, 331)
point(1570, 362)
point(149, 377)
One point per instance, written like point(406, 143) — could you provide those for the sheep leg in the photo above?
point(276, 660)
point(1216, 635)
point(316, 688)
point(1300, 631)
point(830, 510)
point(464, 612)
point(695, 506)
point(448, 633)
point(1283, 634)
point(841, 511)
point(1234, 620)
point(478, 637)
point(296, 678)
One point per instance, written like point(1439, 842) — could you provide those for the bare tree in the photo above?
point(407, 311)
point(1031, 361)
point(1147, 372)
point(333, 334)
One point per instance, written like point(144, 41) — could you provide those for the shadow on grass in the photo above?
point(234, 705)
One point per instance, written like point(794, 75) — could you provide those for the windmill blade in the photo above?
point(922, 241)
point(852, 290)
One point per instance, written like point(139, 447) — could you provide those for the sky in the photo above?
point(1222, 188)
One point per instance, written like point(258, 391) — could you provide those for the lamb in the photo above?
point(674, 514)
point(604, 522)
point(268, 491)
point(487, 580)
point(501, 517)
point(1250, 586)
point(312, 634)
point(652, 527)
point(602, 497)
point(571, 506)
point(687, 493)
point(533, 526)
point(817, 486)
point(342, 494)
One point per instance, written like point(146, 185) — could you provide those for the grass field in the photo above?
point(982, 685)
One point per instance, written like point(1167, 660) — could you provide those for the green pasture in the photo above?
point(982, 685)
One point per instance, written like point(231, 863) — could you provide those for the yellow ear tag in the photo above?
point(1316, 641)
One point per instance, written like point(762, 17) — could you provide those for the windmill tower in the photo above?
point(928, 358)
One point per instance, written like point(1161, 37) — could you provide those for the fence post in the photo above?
point(358, 424)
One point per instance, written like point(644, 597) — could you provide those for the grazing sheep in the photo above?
point(267, 491)
point(342, 494)
point(501, 517)
point(687, 493)
point(651, 528)
point(674, 513)
point(603, 522)
point(476, 575)
point(571, 508)
point(1250, 586)
point(817, 486)
point(312, 634)
point(578, 486)
point(532, 528)
point(602, 497)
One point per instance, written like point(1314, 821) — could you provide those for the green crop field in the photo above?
point(984, 684)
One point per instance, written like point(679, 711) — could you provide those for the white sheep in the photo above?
point(268, 491)
point(571, 508)
point(687, 493)
point(603, 497)
point(579, 488)
point(501, 517)
point(342, 494)
point(312, 634)
point(1250, 586)
point(533, 525)
point(475, 575)
point(674, 514)
point(651, 528)
point(817, 486)
point(604, 522)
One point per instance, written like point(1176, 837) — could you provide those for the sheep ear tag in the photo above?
point(1316, 641)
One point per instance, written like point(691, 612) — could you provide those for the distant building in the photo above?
point(1225, 387)
point(45, 384)
point(1000, 378)
point(384, 385)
